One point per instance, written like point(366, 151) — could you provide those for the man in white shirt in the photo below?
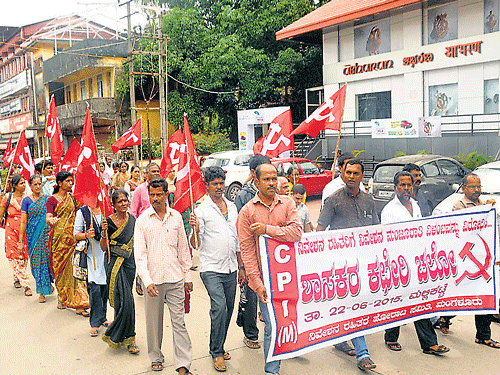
point(163, 262)
point(214, 232)
point(338, 182)
point(108, 168)
point(404, 208)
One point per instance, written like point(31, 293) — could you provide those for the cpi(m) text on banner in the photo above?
point(337, 285)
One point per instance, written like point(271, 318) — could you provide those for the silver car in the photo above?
point(490, 188)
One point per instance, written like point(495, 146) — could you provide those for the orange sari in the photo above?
point(70, 291)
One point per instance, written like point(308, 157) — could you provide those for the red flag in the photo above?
point(278, 138)
point(175, 147)
point(189, 187)
point(327, 116)
point(131, 137)
point(87, 188)
point(104, 199)
point(8, 154)
point(70, 161)
point(53, 131)
point(22, 156)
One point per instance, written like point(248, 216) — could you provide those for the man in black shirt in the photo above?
point(350, 207)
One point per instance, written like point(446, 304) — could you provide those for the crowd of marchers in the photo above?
point(145, 240)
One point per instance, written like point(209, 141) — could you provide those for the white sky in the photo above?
point(25, 12)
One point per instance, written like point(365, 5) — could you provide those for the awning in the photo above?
point(339, 11)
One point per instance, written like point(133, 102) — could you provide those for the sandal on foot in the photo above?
point(41, 298)
point(219, 364)
point(94, 331)
point(139, 291)
point(133, 349)
point(60, 306)
point(366, 364)
point(83, 313)
point(251, 344)
point(227, 356)
point(183, 371)
point(156, 366)
point(443, 325)
point(28, 292)
point(17, 284)
point(441, 349)
point(106, 324)
point(345, 348)
point(395, 346)
point(491, 343)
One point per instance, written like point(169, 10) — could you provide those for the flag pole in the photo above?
point(10, 166)
point(338, 136)
point(92, 239)
point(103, 214)
point(191, 189)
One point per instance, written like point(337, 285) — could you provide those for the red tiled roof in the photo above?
point(339, 11)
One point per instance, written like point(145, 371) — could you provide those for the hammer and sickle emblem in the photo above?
point(467, 253)
point(175, 151)
point(318, 113)
point(268, 144)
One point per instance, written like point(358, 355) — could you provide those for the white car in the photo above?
point(235, 165)
point(490, 188)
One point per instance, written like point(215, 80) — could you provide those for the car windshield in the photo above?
point(489, 180)
point(386, 173)
point(215, 162)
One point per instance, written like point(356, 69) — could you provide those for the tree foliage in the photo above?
point(230, 46)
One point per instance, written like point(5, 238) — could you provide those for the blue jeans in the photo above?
point(221, 288)
point(271, 368)
point(98, 296)
point(360, 348)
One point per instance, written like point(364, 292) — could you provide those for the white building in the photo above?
point(407, 59)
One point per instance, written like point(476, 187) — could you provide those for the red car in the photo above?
point(312, 176)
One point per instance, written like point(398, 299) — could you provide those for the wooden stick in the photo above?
point(191, 194)
point(92, 239)
point(338, 137)
point(10, 168)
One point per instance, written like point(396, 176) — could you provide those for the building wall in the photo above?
point(409, 86)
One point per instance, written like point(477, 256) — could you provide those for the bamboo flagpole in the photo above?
point(338, 137)
point(92, 239)
point(191, 194)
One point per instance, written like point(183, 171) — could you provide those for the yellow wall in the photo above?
point(108, 83)
point(154, 118)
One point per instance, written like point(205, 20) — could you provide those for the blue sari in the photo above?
point(37, 233)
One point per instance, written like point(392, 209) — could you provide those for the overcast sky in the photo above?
point(25, 12)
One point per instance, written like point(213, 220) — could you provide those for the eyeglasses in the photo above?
point(473, 187)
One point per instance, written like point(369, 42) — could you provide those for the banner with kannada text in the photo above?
point(336, 285)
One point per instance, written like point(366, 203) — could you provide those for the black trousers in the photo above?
point(250, 329)
point(483, 326)
point(426, 334)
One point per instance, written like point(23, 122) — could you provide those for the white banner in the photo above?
point(423, 127)
point(337, 285)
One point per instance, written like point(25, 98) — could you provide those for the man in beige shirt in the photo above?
point(472, 191)
point(163, 262)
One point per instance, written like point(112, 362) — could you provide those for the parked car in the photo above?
point(235, 165)
point(439, 173)
point(490, 188)
point(312, 176)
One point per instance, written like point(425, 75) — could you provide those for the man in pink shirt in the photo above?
point(140, 199)
point(274, 215)
point(163, 262)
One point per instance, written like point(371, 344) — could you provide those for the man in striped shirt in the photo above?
point(163, 262)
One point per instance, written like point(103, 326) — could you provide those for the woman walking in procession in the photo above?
point(61, 210)
point(88, 228)
point(118, 241)
point(15, 248)
point(33, 224)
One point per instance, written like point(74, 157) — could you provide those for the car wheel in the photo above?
point(232, 191)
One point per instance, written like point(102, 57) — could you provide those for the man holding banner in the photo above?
point(349, 207)
point(266, 214)
point(404, 208)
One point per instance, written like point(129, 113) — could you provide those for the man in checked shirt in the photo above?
point(274, 215)
point(163, 262)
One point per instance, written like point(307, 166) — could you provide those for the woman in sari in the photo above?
point(33, 224)
point(134, 181)
point(120, 178)
point(118, 240)
point(61, 211)
point(15, 248)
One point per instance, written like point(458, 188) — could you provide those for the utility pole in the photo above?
point(133, 115)
point(163, 125)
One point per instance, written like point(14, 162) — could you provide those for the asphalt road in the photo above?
point(39, 339)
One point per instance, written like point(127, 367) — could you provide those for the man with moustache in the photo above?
point(417, 193)
point(404, 208)
point(214, 230)
point(350, 207)
point(283, 187)
point(163, 262)
point(140, 199)
point(272, 214)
